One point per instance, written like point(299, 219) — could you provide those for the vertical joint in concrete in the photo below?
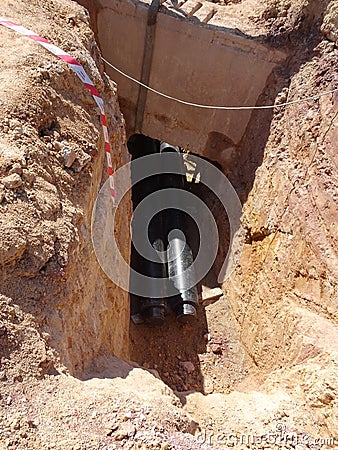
point(146, 64)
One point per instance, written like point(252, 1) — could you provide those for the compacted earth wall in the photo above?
point(51, 168)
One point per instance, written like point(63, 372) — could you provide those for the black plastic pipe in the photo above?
point(168, 230)
point(179, 252)
point(149, 309)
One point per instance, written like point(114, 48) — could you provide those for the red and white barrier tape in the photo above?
point(80, 72)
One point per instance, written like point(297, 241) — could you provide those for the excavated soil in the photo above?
point(261, 363)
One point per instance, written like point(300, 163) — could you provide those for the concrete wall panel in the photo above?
point(192, 61)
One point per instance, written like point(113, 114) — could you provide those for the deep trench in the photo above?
point(166, 348)
point(163, 348)
point(169, 344)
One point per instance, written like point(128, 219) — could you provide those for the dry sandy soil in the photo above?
point(262, 360)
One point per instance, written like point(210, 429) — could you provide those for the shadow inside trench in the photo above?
point(172, 349)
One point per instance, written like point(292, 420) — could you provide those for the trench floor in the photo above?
point(206, 357)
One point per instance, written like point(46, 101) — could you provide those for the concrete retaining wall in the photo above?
point(193, 61)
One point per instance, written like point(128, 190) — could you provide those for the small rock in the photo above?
point(32, 423)
point(127, 430)
point(3, 376)
point(17, 132)
point(56, 136)
point(44, 73)
point(128, 415)
point(12, 181)
point(15, 425)
point(9, 400)
point(164, 446)
point(2, 195)
point(16, 169)
point(188, 366)
point(83, 160)
point(68, 155)
point(14, 123)
point(120, 434)
point(208, 386)
point(326, 397)
point(28, 176)
point(330, 23)
point(211, 293)
point(216, 348)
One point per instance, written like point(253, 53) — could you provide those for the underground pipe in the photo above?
point(168, 233)
point(150, 309)
point(179, 252)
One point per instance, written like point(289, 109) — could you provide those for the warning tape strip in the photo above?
point(81, 73)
